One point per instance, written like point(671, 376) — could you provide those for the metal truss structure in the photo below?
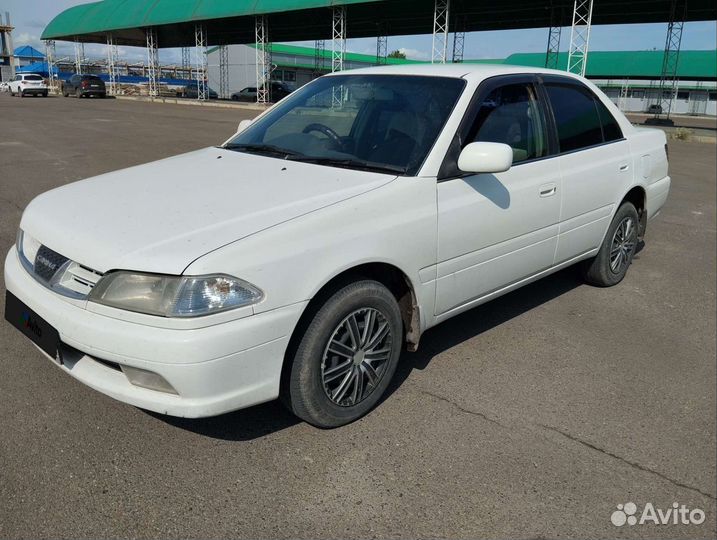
point(554, 35)
point(263, 60)
point(201, 60)
point(79, 56)
point(381, 49)
point(112, 66)
point(338, 38)
point(224, 72)
point(319, 50)
point(580, 36)
point(622, 99)
point(673, 42)
point(187, 61)
point(459, 39)
point(152, 62)
point(441, 14)
point(51, 56)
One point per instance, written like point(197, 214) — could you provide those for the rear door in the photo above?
point(497, 229)
point(595, 164)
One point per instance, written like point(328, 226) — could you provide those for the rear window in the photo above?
point(93, 78)
point(33, 78)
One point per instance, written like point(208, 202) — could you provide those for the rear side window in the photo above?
point(511, 115)
point(610, 128)
point(576, 117)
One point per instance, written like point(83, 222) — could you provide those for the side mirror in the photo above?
point(485, 157)
point(243, 125)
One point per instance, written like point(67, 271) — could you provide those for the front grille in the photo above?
point(62, 275)
point(48, 262)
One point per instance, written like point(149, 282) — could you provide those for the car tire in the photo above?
point(340, 369)
point(615, 256)
point(78, 93)
point(44, 94)
point(65, 93)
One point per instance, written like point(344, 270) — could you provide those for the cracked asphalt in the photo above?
point(533, 416)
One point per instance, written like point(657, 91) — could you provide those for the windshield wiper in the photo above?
point(267, 149)
point(351, 164)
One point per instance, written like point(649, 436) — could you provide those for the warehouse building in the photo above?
point(630, 78)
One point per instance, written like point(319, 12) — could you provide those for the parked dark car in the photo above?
point(192, 91)
point(278, 91)
point(84, 86)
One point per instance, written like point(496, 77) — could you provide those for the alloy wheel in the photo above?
point(356, 357)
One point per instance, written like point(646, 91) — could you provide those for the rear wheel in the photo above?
point(78, 93)
point(347, 356)
point(610, 265)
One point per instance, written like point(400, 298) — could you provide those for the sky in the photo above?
point(31, 16)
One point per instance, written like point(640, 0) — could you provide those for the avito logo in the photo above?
point(626, 514)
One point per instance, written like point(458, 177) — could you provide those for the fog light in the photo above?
point(148, 379)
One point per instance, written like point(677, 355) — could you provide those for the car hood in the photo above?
point(162, 216)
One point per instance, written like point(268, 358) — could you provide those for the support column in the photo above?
point(50, 56)
point(112, 65)
point(224, 72)
point(152, 62)
point(668, 77)
point(186, 63)
point(79, 56)
point(624, 94)
point(338, 38)
point(319, 51)
point(381, 49)
point(263, 60)
point(441, 14)
point(459, 39)
point(554, 35)
point(580, 36)
point(200, 52)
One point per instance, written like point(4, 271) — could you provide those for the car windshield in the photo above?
point(386, 123)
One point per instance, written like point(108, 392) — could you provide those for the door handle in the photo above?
point(624, 167)
point(548, 190)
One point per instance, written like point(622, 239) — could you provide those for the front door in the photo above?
point(496, 229)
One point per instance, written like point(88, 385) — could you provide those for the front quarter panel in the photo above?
point(290, 262)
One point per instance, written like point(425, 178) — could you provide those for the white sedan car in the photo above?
point(298, 259)
point(28, 84)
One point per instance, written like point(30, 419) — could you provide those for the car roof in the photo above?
point(467, 71)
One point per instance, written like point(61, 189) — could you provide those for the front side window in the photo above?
point(576, 117)
point(511, 115)
point(386, 123)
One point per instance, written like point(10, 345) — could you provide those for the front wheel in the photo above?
point(610, 265)
point(347, 356)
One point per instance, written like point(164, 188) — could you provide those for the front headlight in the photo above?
point(174, 296)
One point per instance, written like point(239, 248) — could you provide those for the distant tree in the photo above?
point(397, 54)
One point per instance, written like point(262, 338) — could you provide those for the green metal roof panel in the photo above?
point(638, 64)
point(109, 15)
point(232, 21)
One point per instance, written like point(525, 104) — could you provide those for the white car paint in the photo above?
point(23, 84)
point(289, 228)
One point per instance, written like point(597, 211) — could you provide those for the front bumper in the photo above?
point(215, 369)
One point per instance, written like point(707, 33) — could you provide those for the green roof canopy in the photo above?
point(695, 65)
point(232, 21)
